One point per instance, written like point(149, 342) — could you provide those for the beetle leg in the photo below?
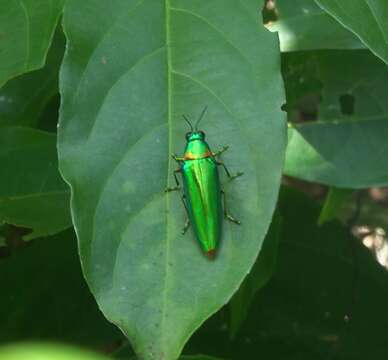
point(231, 177)
point(219, 152)
point(177, 187)
point(177, 158)
point(187, 223)
point(226, 214)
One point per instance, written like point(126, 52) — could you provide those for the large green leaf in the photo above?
point(26, 28)
point(44, 296)
point(366, 18)
point(347, 146)
point(32, 192)
point(303, 25)
point(23, 99)
point(131, 70)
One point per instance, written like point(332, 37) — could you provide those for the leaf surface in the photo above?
point(123, 100)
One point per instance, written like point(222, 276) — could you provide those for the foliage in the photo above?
point(103, 90)
point(350, 106)
point(147, 287)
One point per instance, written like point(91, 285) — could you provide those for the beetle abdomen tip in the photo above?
point(211, 254)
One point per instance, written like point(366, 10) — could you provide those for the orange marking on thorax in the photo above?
point(191, 156)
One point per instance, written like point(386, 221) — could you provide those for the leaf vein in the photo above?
point(132, 68)
point(104, 36)
point(37, 194)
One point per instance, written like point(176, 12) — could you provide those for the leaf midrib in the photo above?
point(169, 122)
point(170, 72)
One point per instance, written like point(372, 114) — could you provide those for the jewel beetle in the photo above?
point(203, 197)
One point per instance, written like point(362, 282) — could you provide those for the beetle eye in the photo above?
point(202, 133)
point(188, 134)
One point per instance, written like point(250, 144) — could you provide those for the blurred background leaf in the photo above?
point(46, 351)
point(327, 289)
point(126, 353)
point(348, 103)
point(303, 25)
point(26, 28)
point(371, 208)
point(32, 193)
point(45, 297)
point(198, 357)
point(259, 275)
point(325, 293)
point(334, 201)
point(194, 357)
point(366, 18)
point(23, 99)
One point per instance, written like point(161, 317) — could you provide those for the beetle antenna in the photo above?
point(188, 121)
point(200, 118)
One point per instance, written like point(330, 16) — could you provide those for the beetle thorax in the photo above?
point(197, 149)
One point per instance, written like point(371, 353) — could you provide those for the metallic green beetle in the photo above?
point(202, 189)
